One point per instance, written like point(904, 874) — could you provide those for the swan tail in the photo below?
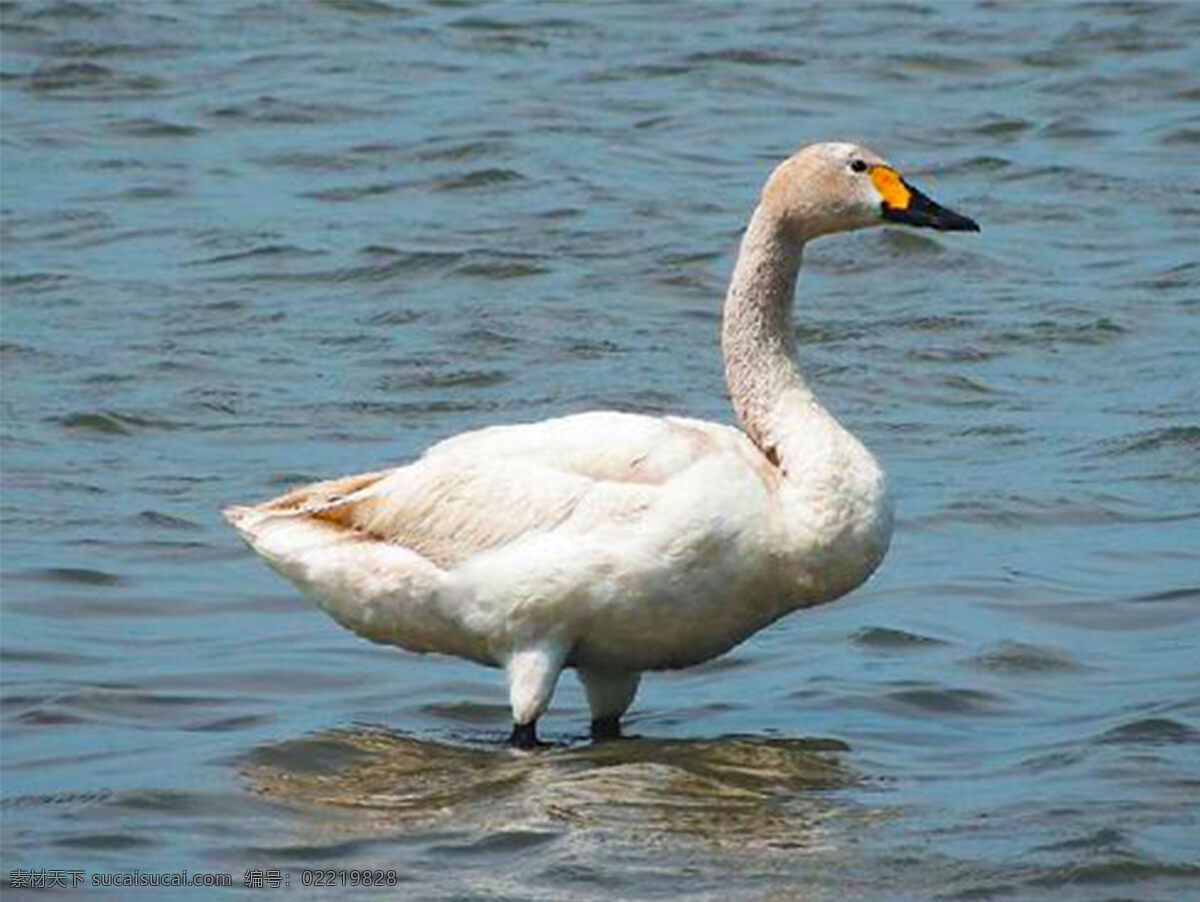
point(380, 590)
point(264, 526)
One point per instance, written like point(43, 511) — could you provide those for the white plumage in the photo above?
point(611, 542)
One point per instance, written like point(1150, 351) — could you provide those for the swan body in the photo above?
point(616, 543)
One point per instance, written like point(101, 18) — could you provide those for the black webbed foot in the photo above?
point(524, 736)
point(606, 728)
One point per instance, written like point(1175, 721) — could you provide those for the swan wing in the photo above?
point(605, 446)
point(484, 544)
point(493, 487)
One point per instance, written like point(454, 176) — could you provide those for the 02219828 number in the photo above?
point(355, 877)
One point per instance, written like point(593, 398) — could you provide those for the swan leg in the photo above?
point(532, 676)
point(609, 695)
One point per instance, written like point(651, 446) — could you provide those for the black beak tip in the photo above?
point(956, 222)
point(924, 213)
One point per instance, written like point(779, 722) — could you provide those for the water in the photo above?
point(248, 244)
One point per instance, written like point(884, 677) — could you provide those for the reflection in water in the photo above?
point(741, 792)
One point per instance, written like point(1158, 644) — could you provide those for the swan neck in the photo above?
point(757, 337)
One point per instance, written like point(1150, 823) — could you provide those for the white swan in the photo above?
point(616, 543)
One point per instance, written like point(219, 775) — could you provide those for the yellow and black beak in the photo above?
point(903, 203)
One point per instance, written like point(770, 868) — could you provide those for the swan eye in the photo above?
point(858, 165)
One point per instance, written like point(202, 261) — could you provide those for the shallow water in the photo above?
point(251, 244)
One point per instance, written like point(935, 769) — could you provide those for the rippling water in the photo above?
point(248, 244)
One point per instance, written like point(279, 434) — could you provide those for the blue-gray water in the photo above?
point(247, 244)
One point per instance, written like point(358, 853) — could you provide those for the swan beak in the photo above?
point(902, 203)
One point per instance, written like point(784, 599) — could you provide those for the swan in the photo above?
point(611, 542)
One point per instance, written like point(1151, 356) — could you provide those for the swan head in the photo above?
point(838, 186)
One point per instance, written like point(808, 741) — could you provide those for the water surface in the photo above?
point(249, 244)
